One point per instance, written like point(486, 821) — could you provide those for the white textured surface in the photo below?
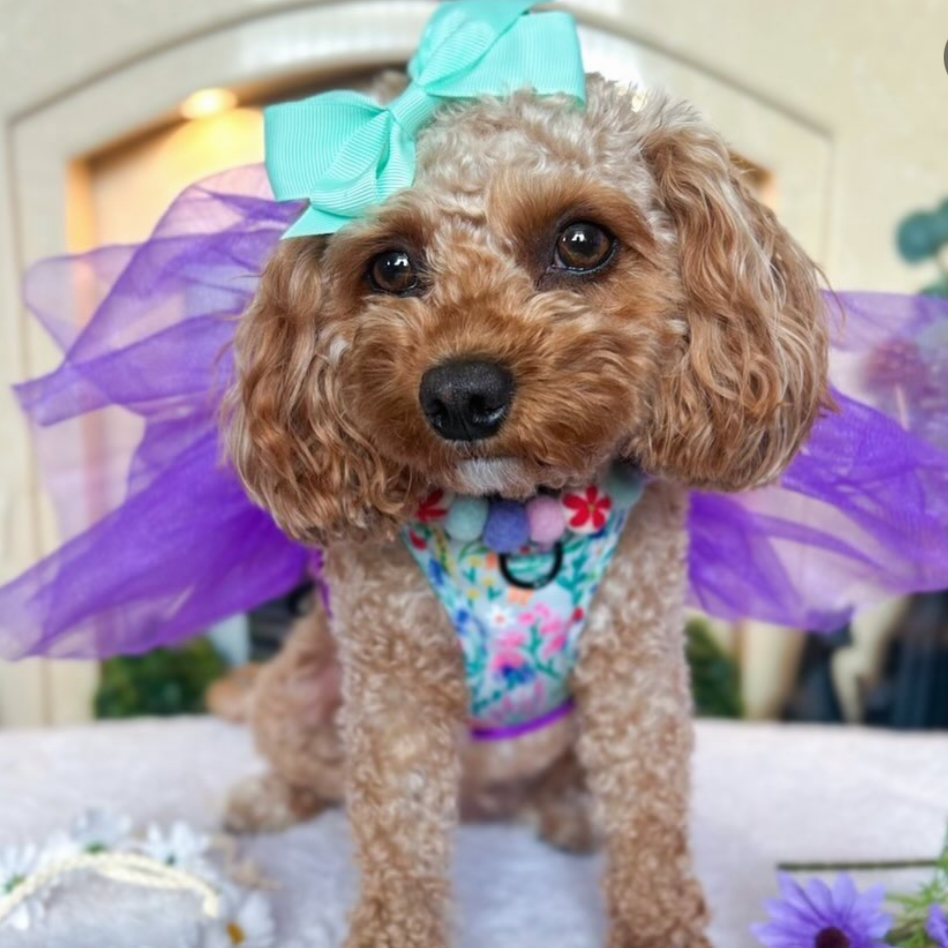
point(763, 793)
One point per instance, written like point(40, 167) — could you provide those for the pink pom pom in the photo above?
point(545, 518)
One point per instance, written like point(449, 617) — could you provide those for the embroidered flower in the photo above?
point(247, 921)
point(817, 916)
point(17, 863)
point(180, 846)
point(587, 511)
point(98, 829)
point(94, 831)
point(434, 507)
point(417, 541)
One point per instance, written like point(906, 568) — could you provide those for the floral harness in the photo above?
point(517, 581)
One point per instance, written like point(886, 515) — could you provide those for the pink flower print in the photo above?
point(553, 625)
point(554, 644)
point(513, 639)
point(587, 511)
point(527, 701)
point(508, 658)
point(540, 612)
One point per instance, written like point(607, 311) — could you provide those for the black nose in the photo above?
point(466, 401)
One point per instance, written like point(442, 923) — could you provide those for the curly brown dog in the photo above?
point(678, 328)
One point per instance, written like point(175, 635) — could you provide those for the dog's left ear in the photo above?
point(289, 432)
point(750, 373)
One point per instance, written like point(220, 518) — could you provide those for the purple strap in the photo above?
point(524, 727)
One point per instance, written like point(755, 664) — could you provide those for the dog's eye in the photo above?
point(393, 272)
point(582, 246)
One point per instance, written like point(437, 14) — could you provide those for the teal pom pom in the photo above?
point(466, 518)
point(624, 485)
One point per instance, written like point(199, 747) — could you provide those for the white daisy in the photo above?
point(98, 829)
point(180, 847)
point(94, 831)
point(17, 864)
point(246, 920)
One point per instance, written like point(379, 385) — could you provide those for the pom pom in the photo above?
point(466, 518)
point(507, 528)
point(624, 484)
point(545, 520)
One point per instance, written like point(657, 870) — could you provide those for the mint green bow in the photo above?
point(344, 153)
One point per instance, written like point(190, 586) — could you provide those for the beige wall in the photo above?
point(849, 97)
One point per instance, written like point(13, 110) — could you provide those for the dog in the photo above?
point(560, 289)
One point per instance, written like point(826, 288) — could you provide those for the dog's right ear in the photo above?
point(289, 435)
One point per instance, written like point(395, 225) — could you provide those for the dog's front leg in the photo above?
point(404, 701)
point(635, 731)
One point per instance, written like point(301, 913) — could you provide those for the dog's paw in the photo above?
point(266, 804)
point(567, 823)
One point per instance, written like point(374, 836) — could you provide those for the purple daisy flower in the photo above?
point(817, 916)
point(937, 926)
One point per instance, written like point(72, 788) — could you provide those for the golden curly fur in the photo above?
point(698, 352)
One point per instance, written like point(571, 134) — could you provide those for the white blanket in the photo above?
point(763, 793)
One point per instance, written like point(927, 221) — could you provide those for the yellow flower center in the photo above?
point(236, 933)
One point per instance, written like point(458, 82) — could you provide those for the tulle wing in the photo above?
point(160, 539)
point(862, 512)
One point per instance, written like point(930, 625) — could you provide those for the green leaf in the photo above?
point(163, 682)
point(715, 675)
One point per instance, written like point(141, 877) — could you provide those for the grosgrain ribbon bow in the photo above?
point(344, 153)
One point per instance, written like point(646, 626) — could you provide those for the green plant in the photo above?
point(163, 682)
point(909, 930)
point(715, 675)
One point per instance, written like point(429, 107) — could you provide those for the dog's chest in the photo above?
point(517, 581)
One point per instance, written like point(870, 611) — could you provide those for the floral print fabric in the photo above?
point(519, 616)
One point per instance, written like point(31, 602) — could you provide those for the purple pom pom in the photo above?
point(507, 528)
point(546, 520)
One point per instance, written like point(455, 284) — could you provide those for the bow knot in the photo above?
point(413, 108)
point(344, 153)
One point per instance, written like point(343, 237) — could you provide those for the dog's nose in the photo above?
point(466, 401)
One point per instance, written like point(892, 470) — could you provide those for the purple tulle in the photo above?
point(161, 541)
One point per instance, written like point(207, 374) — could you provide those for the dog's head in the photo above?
point(559, 287)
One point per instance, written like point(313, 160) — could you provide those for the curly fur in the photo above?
point(698, 352)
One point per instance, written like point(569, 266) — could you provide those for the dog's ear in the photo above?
point(290, 437)
point(749, 376)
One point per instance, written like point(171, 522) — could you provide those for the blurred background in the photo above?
point(109, 107)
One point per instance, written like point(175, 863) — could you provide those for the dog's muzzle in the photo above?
point(466, 401)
